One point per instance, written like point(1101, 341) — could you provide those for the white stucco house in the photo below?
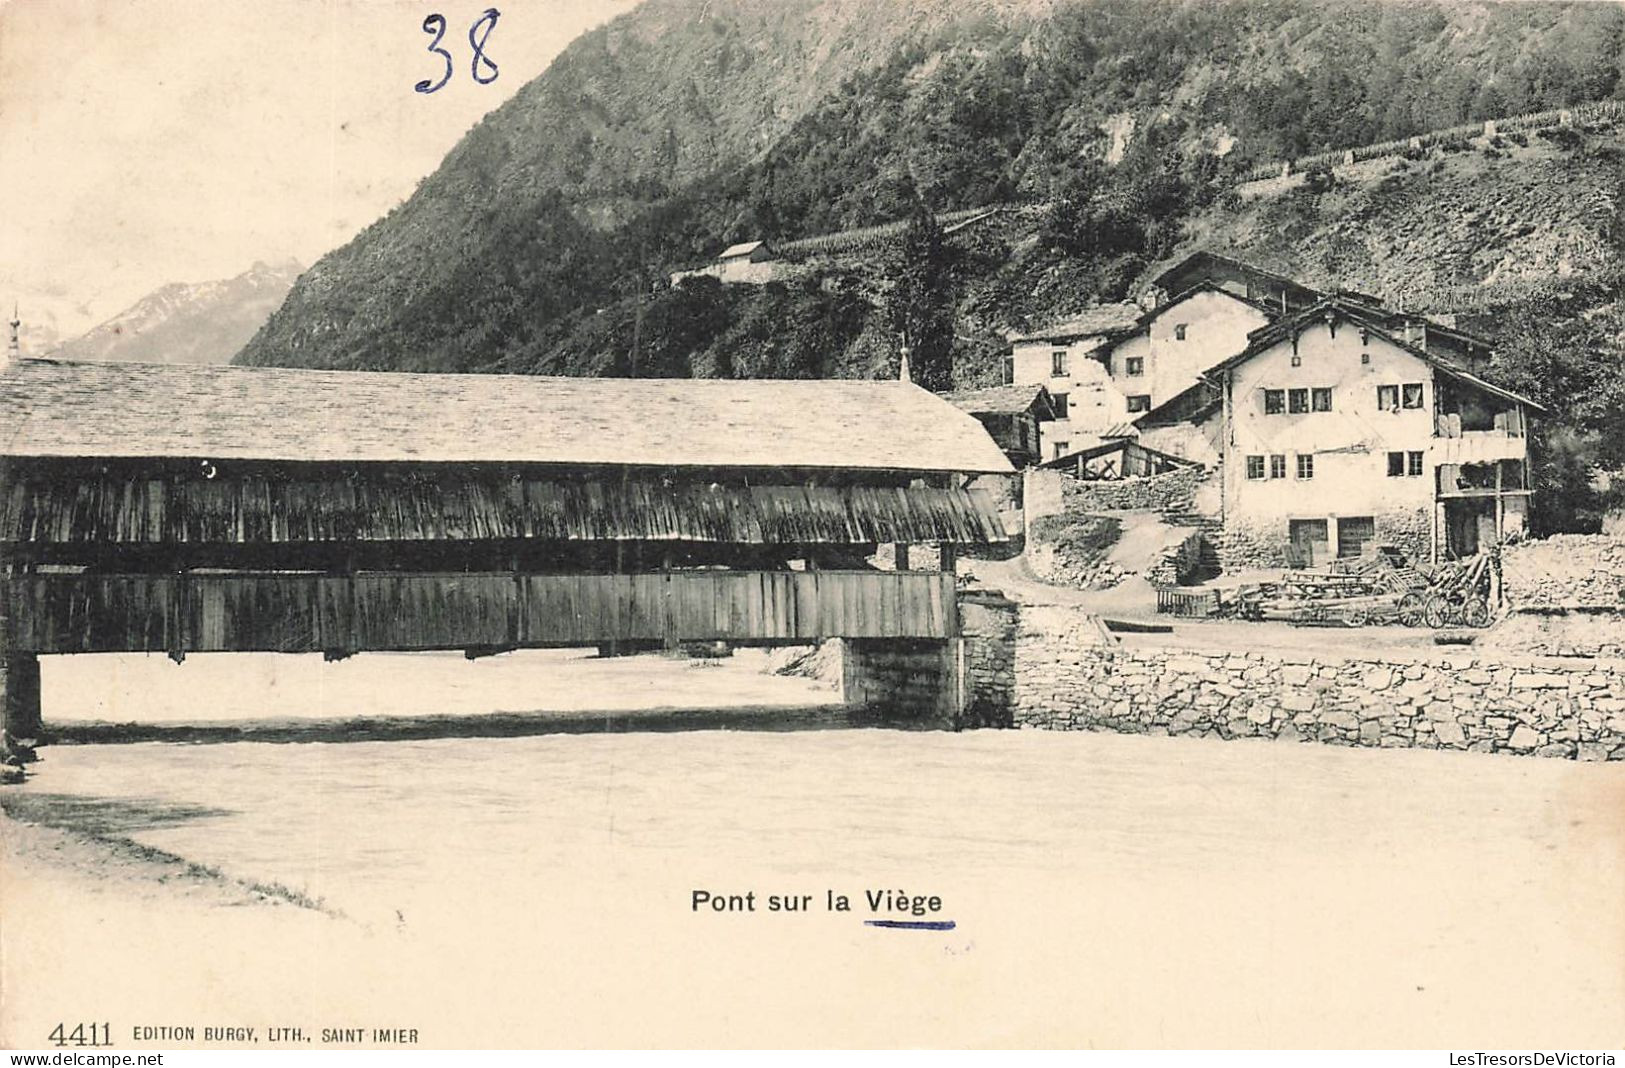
point(1335, 431)
point(1331, 422)
point(1111, 364)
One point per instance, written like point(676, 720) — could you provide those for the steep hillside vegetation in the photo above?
point(690, 123)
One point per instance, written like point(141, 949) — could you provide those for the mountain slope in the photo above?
point(207, 322)
point(690, 123)
point(652, 103)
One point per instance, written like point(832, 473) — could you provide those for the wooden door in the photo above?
point(1309, 540)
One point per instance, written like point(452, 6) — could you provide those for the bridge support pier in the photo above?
point(20, 695)
point(942, 683)
point(903, 680)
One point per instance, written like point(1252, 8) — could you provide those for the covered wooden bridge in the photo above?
point(148, 508)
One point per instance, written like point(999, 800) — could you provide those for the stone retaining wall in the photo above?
point(1565, 570)
point(988, 622)
point(1172, 491)
point(1179, 563)
point(1452, 701)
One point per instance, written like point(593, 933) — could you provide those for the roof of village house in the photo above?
point(1376, 320)
point(51, 408)
point(1004, 400)
point(1206, 285)
point(1097, 321)
point(744, 248)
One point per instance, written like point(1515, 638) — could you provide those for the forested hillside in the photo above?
point(687, 124)
point(543, 242)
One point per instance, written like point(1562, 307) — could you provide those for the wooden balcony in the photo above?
point(285, 612)
point(1479, 447)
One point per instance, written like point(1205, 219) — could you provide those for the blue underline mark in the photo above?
point(912, 925)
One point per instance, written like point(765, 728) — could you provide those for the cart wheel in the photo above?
point(1410, 610)
point(1435, 612)
point(1356, 617)
point(1476, 613)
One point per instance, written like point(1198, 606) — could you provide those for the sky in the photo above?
point(144, 142)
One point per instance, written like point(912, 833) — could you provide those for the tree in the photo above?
point(920, 305)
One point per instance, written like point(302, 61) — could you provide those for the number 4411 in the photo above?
point(83, 1034)
point(478, 34)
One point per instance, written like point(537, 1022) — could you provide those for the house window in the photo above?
point(1255, 467)
point(1297, 401)
point(1413, 465)
point(1059, 402)
point(1413, 394)
point(1387, 398)
point(1278, 466)
point(1134, 366)
point(1179, 331)
point(1306, 466)
point(1274, 401)
point(1060, 449)
point(1140, 402)
point(1365, 357)
point(1396, 464)
point(1322, 399)
point(1057, 364)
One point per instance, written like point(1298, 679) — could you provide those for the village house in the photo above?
point(1333, 423)
point(1114, 363)
point(1072, 360)
point(1336, 432)
point(748, 263)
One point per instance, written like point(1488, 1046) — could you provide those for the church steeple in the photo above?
point(14, 348)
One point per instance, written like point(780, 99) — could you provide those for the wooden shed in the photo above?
point(1013, 415)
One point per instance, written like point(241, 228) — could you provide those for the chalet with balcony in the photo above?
point(1336, 432)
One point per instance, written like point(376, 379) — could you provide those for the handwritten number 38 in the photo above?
point(478, 34)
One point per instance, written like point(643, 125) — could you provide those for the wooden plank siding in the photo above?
point(44, 507)
point(92, 613)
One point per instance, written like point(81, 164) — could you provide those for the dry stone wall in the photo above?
point(1171, 492)
point(988, 622)
point(1565, 570)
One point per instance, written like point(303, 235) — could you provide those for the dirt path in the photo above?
point(1136, 600)
point(1145, 537)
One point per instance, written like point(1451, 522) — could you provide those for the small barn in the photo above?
point(1013, 415)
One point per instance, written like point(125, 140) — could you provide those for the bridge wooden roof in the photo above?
point(52, 408)
point(50, 510)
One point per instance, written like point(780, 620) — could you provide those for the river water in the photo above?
point(1103, 888)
